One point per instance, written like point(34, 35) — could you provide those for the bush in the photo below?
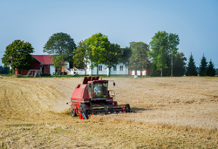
point(8, 75)
point(46, 74)
point(19, 76)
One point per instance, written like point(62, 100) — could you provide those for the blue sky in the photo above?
point(123, 21)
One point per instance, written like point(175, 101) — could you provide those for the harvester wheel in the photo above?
point(106, 110)
point(127, 108)
point(73, 113)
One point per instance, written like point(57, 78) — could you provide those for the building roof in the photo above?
point(44, 59)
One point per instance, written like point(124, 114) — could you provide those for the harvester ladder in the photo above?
point(112, 93)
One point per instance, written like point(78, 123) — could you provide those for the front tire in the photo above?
point(73, 113)
point(127, 108)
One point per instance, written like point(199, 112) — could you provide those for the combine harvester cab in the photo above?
point(93, 97)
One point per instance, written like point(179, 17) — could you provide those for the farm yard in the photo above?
point(177, 112)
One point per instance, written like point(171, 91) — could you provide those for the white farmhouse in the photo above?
point(119, 69)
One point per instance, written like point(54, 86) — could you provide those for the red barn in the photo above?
point(43, 63)
point(46, 63)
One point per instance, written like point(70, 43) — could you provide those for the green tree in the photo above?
point(211, 70)
point(166, 71)
point(4, 70)
point(216, 71)
point(191, 69)
point(17, 55)
point(98, 44)
point(127, 52)
point(80, 57)
point(173, 42)
point(139, 58)
point(203, 67)
point(159, 50)
point(58, 62)
point(179, 64)
point(125, 59)
point(112, 57)
point(154, 71)
point(61, 44)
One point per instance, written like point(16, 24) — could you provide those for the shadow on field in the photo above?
point(141, 109)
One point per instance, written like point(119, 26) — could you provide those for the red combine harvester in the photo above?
point(93, 97)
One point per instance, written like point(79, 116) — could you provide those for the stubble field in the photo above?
point(168, 113)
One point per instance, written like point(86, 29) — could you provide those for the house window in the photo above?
point(100, 68)
point(115, 68)
point(121, 68)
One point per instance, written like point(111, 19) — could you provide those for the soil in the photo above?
point(169, 112)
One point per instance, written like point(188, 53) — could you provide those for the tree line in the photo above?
point(161, 55)
point(205, 69)
point(4, 70)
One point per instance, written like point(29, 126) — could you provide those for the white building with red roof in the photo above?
point(43, 63)
point(46, 65)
